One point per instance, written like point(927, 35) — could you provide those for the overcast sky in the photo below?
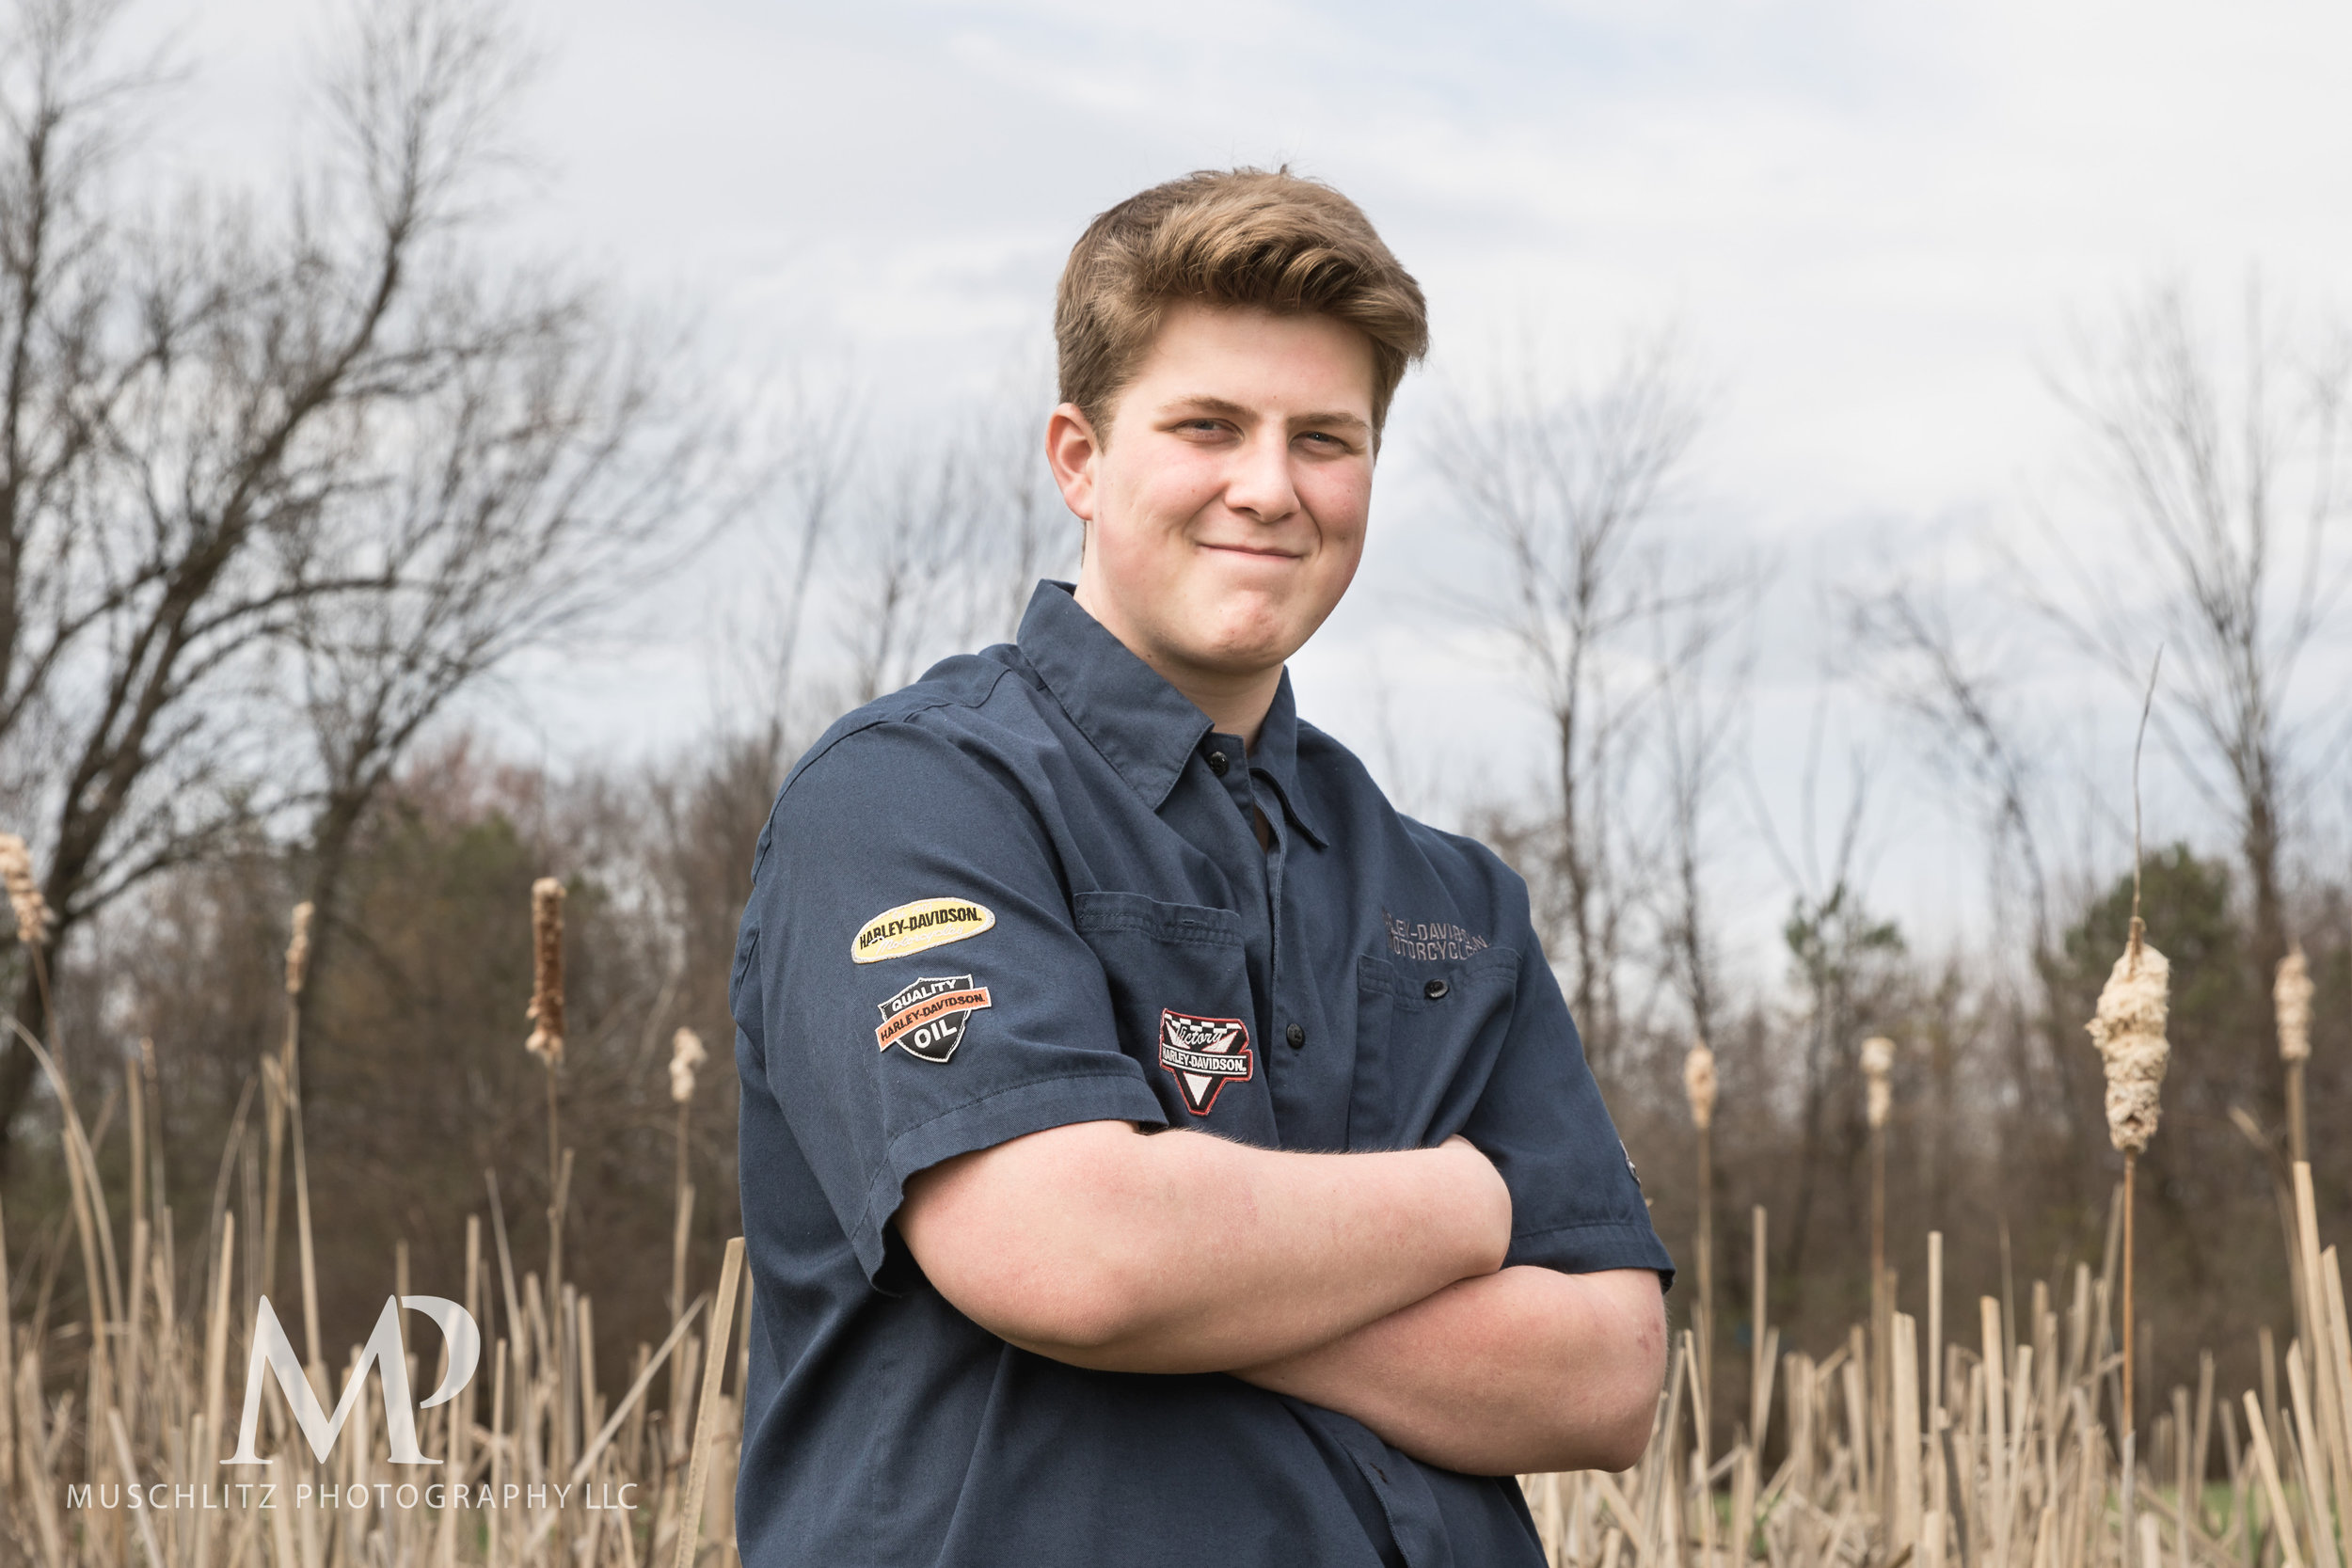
point(1871, 225)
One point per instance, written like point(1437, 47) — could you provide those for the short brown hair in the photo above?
point(1245, 236)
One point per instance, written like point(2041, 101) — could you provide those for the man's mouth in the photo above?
point(1262, 553)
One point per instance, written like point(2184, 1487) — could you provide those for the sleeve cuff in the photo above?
point(983, 1123)
point(1590, 1248)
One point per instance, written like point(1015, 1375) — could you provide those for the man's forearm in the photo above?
point(1182, 1252)
point(1527, 1370)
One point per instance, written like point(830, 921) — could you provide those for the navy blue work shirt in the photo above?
point(1027, 890)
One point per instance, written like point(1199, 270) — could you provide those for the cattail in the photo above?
point(33, 918)
point(298, 949)
point(1878, 1061)
point(546, 1012)
point(1698, 1082)
point(2129, 1033)
point(1878, 1064)
point(686, 1054)
point(2293, 995)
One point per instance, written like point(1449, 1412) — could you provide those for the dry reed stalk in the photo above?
point(281, 1085)
point(1701, 1477)
point(722, 1321)
point(1995, 1421)
point(2328, 1445)
point(1698, 1087)
point(1904, 1444)
point(1760, 1362)
point(2311, 1460)
point(686, 1055)
point(2266, 1467)
point(2339, 1341)
point(1878, 1065)
point(1935, 1329)
point(546, 1016)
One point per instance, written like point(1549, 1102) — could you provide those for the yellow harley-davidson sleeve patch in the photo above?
point(912, 927)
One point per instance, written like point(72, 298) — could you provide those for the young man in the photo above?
point(1155, 1148)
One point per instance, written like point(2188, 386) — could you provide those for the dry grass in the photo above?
point(556, 1467)
point(1903, 1445)
point(1998, 1450)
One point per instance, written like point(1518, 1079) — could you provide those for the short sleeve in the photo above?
point(1575, 1202)
point(909, 981)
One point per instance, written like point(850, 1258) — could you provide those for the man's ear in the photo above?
point(1072, 448)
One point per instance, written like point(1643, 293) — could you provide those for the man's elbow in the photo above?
point(1619, 1408)
point(1629, 1405)
point(1087, 1315)
point(1618, 1442)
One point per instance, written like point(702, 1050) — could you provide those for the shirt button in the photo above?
point(1217, 764)
point(1434, 989)
point(1296, 1036)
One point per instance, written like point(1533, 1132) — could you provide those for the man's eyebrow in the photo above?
point(1205, 404)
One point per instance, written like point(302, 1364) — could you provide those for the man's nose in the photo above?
point(1259, 483)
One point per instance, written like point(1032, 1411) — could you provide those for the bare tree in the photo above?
point(1702, 695)
point(226, 437)
point(911, 594)
point(1564, 484)
point(820, 424)
point(947, 550)
point(544, 479)
point(1840, 955)
point(1957, 689)
point(2223, 470)
point(1955, 684)
point(1026, 531)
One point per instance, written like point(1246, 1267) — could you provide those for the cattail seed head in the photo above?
point(2128, 1030)
point(298, 949)
point(546, 1012)
point(1878, 1061)
point(1698, 1082)
point(686, 1054)
point(2293, 995)
point(33, 917)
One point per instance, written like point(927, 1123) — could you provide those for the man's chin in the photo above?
point(1243, 652)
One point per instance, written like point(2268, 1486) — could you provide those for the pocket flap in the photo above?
point(1133, 911)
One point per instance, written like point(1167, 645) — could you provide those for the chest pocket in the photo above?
point(1426, 1038)
point(1179, 983)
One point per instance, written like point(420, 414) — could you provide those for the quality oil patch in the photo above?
point(914, 928)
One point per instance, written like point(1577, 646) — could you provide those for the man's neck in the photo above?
point(1236, 706)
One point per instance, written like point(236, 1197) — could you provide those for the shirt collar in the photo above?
point(1276, 757)
point(1144, 727)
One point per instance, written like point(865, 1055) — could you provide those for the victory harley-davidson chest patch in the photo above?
point(1204, 1055)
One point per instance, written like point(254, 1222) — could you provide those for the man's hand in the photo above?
point(1528, 1370)
point(1181, 1252)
